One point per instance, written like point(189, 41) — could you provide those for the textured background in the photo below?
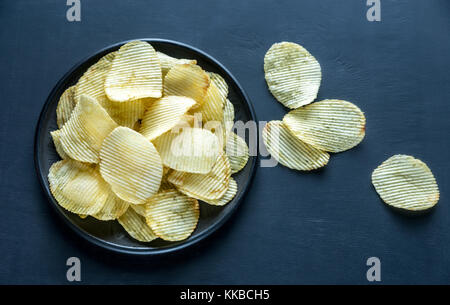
point(293, 227)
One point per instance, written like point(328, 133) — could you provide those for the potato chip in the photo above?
point(227, 197)
point(292, 74)
point(131, 165)
point(163, 114)
point(220, 83)
point(237, 152)
point(171, 215)
point(192, 150)
point(92, 83)
point(228, 115)
point(212, 107)
point(82, 216)
point(139, 208)
point(58, 146)
point(77, 187)
point(136, 226)
point(330, 125)
point(65, 106)
point(290, 151)
point(113, 208)
point(187, 80)
point(167, 62)
point(82, 136)
point(212, 185)
point(406, 183)
point(135, 73)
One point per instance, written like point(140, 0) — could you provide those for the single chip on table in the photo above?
point(187, 80)
point(292, 74)
point(65, 106)
point(57, 142)
point(237, 152)
point(135, 73)
point(406, 183)
point(210, 186)
point(171, 215)
point(131, 165)
point(329, 125)
point(163, 114)
point(220, 83)
point(113, 208)
point(192, 150)
point(78, 187)
point(82, 136)
point(290, 151)
point(136, 226)
point(167, 62)
point(227, 197)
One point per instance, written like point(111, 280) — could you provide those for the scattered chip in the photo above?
point(406, 183)
point(167, 62)
point(131, 165)
point(163, 114)
point(237, 152)
point(290, 151)
point(135, 73)
point(171, 215)
point(187, 80)
point(220, 83)
point(227, 197)
point(82, 136)
point(113, 208)
point(192, 150)
point(136, 226)
point(65, 106)
point(330, 125)
point(212, 185)
point(77, 187)
point(292, 74)
point(58, 146)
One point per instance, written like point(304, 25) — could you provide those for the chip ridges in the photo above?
point(136, 226)
point(227, 197)
point(66, 104)
point(167, 62)
point(237, 152)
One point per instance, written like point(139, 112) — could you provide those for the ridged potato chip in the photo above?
point(212, 106)
point(135, 73)
point(192, 150)
point(187, 80)
point(131, 165)
point(227, 197)
point(290, 151)
point(78, 187)
point(58, 146)
point(171, 215)
point(292, 74)
point(210, 186)
point(82, 136)
point(406, 183)
point(113, 208)
point(220, 83)
point(330, 125)
point(167, 62)
point(237, 152)
point(163, 114)
point(136, 226)
point(65, 106)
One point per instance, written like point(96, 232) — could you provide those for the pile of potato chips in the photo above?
point(305, 136)
point(143, 137)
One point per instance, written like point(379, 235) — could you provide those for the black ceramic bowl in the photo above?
point(109, 234)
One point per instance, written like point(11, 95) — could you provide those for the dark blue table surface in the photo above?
point(293, 227)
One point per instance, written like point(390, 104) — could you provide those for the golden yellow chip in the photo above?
point(135, 73)
point(82, 216)
point(82, 136)
point(220, 83)
point(330, 125)
point(187, 80)
point(139, 208)
point(212, 185)
point(212, 106)
point(163, 114)
point(237, 152)
point(171, 215)
point(406, 183)
point(77, 187)
point(292, 74)
point(136, 226)
point(58, 146)
point(192, 150)
point(113, 208)
point(65, 106)
point(227, 197)
point(290, 151)
point(131, 165)
point(167, 62)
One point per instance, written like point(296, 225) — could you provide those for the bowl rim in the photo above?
point(130, 250)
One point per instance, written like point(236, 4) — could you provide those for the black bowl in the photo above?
point(109, 234)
